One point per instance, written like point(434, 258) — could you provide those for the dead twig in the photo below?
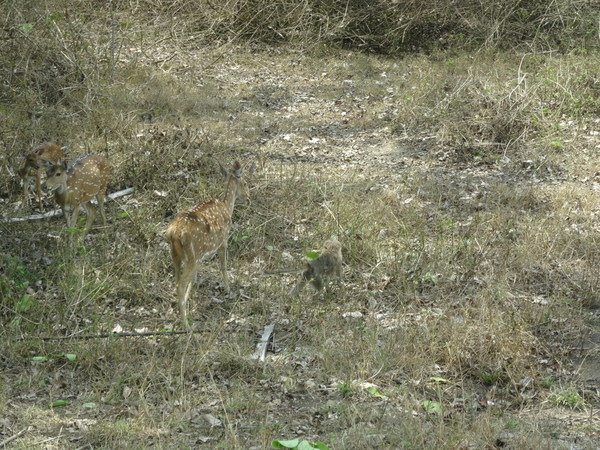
point(12, 438)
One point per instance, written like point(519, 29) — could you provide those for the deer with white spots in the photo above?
point(75, 185)
point(30, 171)
point(201, 232)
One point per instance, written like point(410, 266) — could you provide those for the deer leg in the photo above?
point(25, 192)
point(223, 262)
point(184, 286)
point(66, 215)
point(91, 215)
point(71, 221)
point(38, 186)
point(177, 265)
point(100, 199)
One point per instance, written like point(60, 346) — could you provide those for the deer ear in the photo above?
point(237, 169)
point(223, 170)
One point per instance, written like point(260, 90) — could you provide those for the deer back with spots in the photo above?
point(75, 185)
point(201, 232)
point(31, 172)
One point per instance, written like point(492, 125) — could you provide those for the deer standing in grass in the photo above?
point(30, 171)
point(201, 232)
point(75, 185)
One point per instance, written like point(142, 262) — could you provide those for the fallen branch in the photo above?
point(110, 335)
point(12, 438)
point(57, 212)
point(117, 335)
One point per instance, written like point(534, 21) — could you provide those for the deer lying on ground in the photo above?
point(318, 272)
point(75, 185)
point(30, 171)
point(201, 232)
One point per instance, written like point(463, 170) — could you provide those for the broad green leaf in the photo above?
point(60, 403)
point(27, 27)
point(89, 405)
point(373, 392)
point(432, 407)
point(25, 303)
point(270, 248)
point(70, 356)
point(311, 255)
point(39, 358)
point(285, 444)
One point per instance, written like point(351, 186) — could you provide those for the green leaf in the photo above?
point(39, 358)
point(285, 444)
point(89, 405)
point(373, 392)
point(432, 407)
point(25, 303)
point(124, 214)
point(70, 356)
point(441, 380)
point(270, 248)
point(60, 403)
point(311, 255)
point(557, 144)
point(320, 446)
point(27, 27)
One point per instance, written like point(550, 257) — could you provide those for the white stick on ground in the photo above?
point(57, 212)
point(261, 347)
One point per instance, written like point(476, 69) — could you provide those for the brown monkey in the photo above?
point(318, 271)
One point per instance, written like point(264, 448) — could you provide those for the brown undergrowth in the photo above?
point(462, 186)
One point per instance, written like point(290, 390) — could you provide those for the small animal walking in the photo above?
point(30, 171)
point(75, 185)
point(201, 232)
point(319, 272)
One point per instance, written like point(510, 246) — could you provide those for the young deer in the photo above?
point(202, 231)
point(29, 169)
point(74, 186)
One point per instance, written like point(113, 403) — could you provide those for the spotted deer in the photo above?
point(30, 171)
point(201, 232)
point(75, 185)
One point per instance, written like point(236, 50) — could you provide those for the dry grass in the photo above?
point(465, 197)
